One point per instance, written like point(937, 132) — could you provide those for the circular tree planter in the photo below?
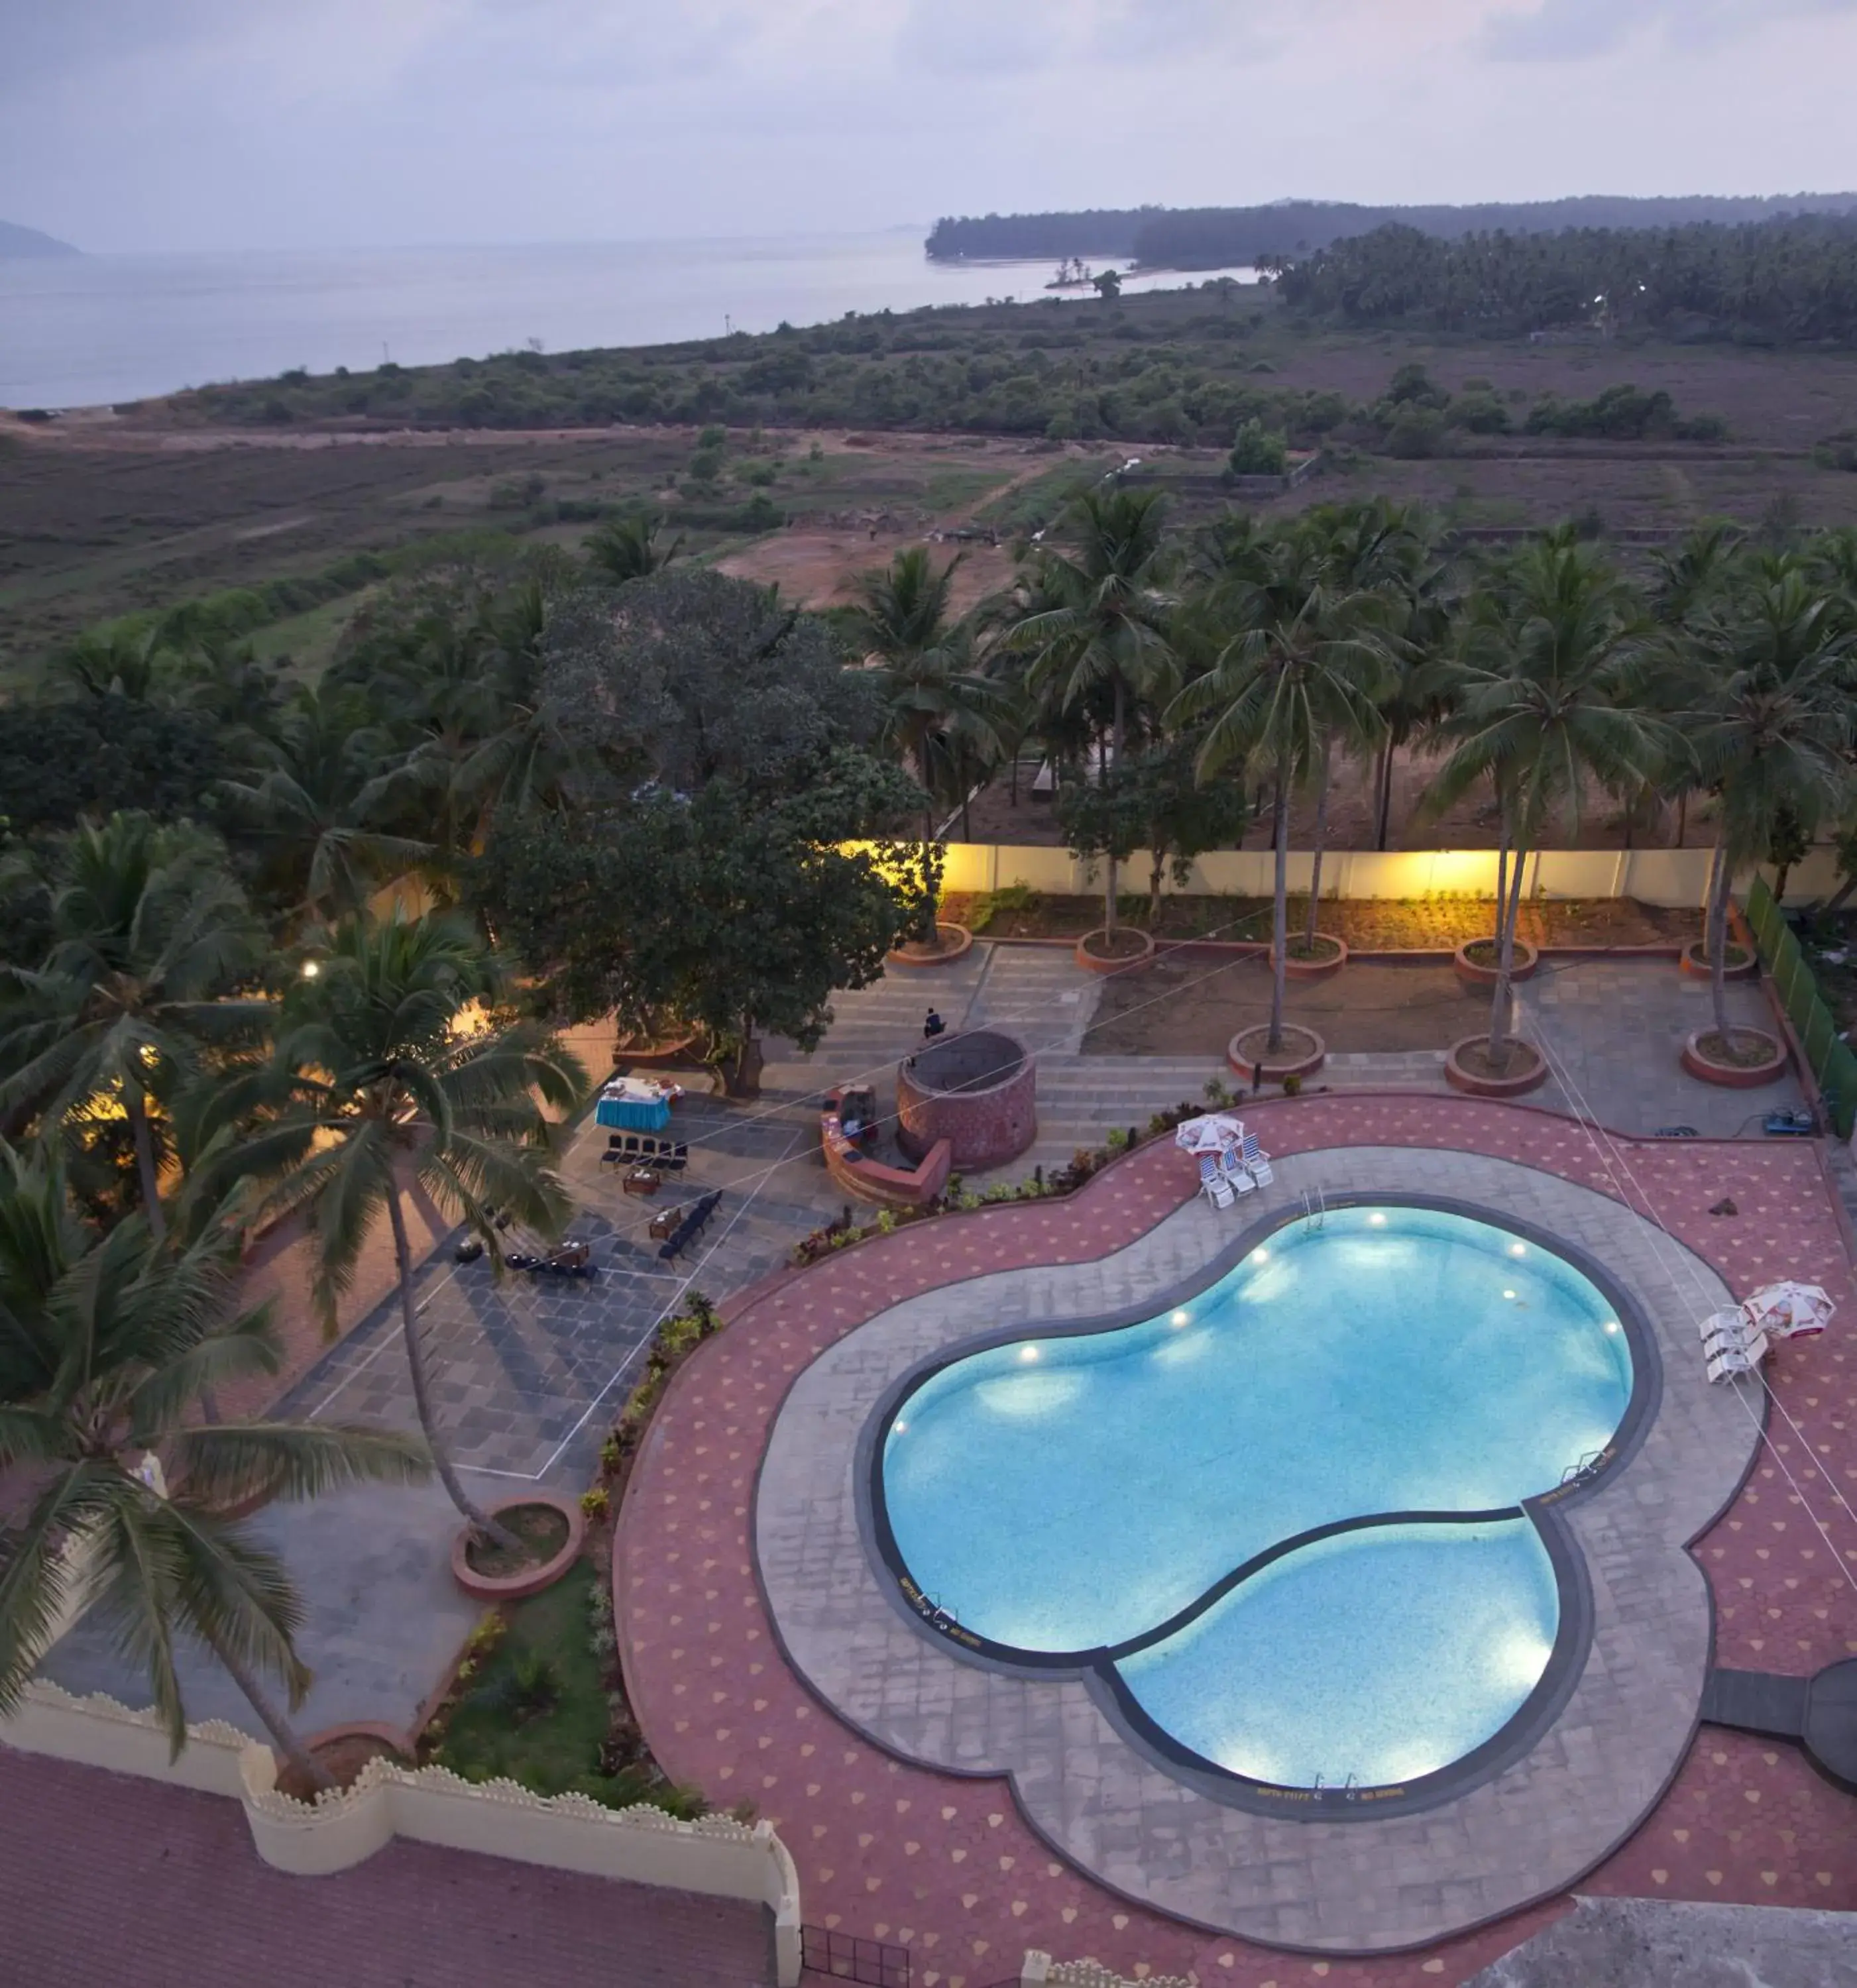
point(1330, 956)
point(342, 1752)
point(565, 1526)
point(1766, 1055)
point(953, 942)
point(1694, 961)
point(1133, 950)
point(1476, 962)
point(1467, 1068)
point(1300, 1056)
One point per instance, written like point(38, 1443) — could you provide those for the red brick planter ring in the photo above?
point(1733, 1076)
point(1693, 960)
point(531, 1579)
point(1473, 1084)
point(1324, 969)
point(1300, 1056)
point(1132, 962)
point(957, 942)
point(1527, 958)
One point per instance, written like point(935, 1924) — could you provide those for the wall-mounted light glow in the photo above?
point(310, 969)
point(1028, 1352)
point(1181, 1318)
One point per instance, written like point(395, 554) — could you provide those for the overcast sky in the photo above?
point(133, 124)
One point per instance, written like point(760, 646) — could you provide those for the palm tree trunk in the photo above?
point(1322, 837)
point(1280, 911)
point(1718, 942)
point(1115, 760)
point(1682, 818)
point(1383, 793)
point(480, 1521)
point(1715, 863)
point(288, 1742)
point(136, 1108)
point(1508, 908)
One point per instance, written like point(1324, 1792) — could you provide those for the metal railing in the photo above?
point(842, 1956)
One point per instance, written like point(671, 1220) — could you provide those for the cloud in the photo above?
point(1576, 30)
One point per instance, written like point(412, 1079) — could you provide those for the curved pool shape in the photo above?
point(1139, 1497)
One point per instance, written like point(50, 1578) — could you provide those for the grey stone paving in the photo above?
point(1648, 1943)
point(1332, 1888)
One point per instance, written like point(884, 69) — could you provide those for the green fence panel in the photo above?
point(1837, 1082)
point(1817, 1036)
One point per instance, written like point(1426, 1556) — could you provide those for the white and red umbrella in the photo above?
point(1216, 1132)
point(1788, 1310)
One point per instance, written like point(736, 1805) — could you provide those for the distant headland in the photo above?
point(23, 242)
point(1211, 238)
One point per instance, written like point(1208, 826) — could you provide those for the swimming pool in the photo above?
point(1284, 1519)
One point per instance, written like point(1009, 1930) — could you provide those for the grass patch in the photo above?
point(307, 642)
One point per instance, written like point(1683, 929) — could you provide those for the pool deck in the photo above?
point(892, 1849)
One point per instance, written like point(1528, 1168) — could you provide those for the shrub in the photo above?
point(1257, 452)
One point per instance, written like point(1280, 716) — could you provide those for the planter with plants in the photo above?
point(548, 1533)
point(341, 1752)
point(951, 942)
point(1125, 950)
point(1478, 962)
point(1739, 1059)
point(1319, 958)
point(1299, 1053)
point(1478, 1071)
point(1738, 962)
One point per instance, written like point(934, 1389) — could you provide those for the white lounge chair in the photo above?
point(1216, 1187)
point(1257, 1162)
point(1236, 1172)
point(1722, 1331)
point(1730, 1362)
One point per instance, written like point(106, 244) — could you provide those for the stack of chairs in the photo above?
point(643, 1149)
point(692, 1225)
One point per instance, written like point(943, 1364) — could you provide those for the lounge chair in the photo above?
point(1216, 1189)
point(1731, 1361)
point(1257, 1162)
point(1237, 1174)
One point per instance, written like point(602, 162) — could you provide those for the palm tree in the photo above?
point(1298, 659)
point(1547, 682)
point(626, 548)
point(1769, 725)
point(394, 1060)
point(313, 806)
point(1096, 630)
point(150, 936)
point(106, 1347)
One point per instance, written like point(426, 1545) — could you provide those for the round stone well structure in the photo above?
point(976, 1090)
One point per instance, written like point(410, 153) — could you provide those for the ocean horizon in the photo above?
point(89, 330)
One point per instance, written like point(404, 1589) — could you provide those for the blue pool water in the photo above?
point(1075, 1494)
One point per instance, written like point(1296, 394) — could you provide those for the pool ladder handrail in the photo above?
point(1315, 1207)
point(1575, 1472)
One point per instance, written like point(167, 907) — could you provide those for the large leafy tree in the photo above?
point(151, 942)
point(397, 1066)
point(1545, 683)
point(1298, 656)
point(107, 1346)
point(1094, 630)
point(1770, 723)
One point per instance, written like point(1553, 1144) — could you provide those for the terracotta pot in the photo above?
point(1314, 969)
point(1530, 1075)
point(1132, 962)
point(1694, 960)
point(1733, 1076)
point(957, 942)
point(1302, 1055)
point(1527, 958)
point(530, 1580)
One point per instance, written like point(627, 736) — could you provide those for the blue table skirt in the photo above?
point(633, 1114)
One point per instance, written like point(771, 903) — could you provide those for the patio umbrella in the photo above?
point(1789, 1311)
point(1213, 1133)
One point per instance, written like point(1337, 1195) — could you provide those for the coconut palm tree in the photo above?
point(1551, 657)
point(149, 939)
point(106, 1346)
point(395, 1064)
point(1770, 723)
point(1095, 632)
point(1299, 658)
point(626, 548)
point(313, 806)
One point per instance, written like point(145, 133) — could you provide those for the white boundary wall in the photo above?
point(1677, 878)
point(716, 1856)
point(1039, 1970)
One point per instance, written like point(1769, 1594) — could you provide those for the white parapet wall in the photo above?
point(716, 1856)
point(1041, 1971)
point(1677, 879)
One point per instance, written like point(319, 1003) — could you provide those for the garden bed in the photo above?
point(1423, 925)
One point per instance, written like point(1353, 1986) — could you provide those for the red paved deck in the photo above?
point(895, 1851)
point(106, 1878)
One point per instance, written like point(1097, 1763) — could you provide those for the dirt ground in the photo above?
point(1367, 924)
point(1191, 1009)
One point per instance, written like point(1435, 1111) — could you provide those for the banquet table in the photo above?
point(630, 1106)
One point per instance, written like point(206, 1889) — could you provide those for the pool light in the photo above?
point(1377, 1221)
point(1181, 1318)
point(1508, 1294)
point(899, 1427)
point(1518, 1248)
point(1611, 1325)
point(1028, 1352)
point(1260, 1256)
